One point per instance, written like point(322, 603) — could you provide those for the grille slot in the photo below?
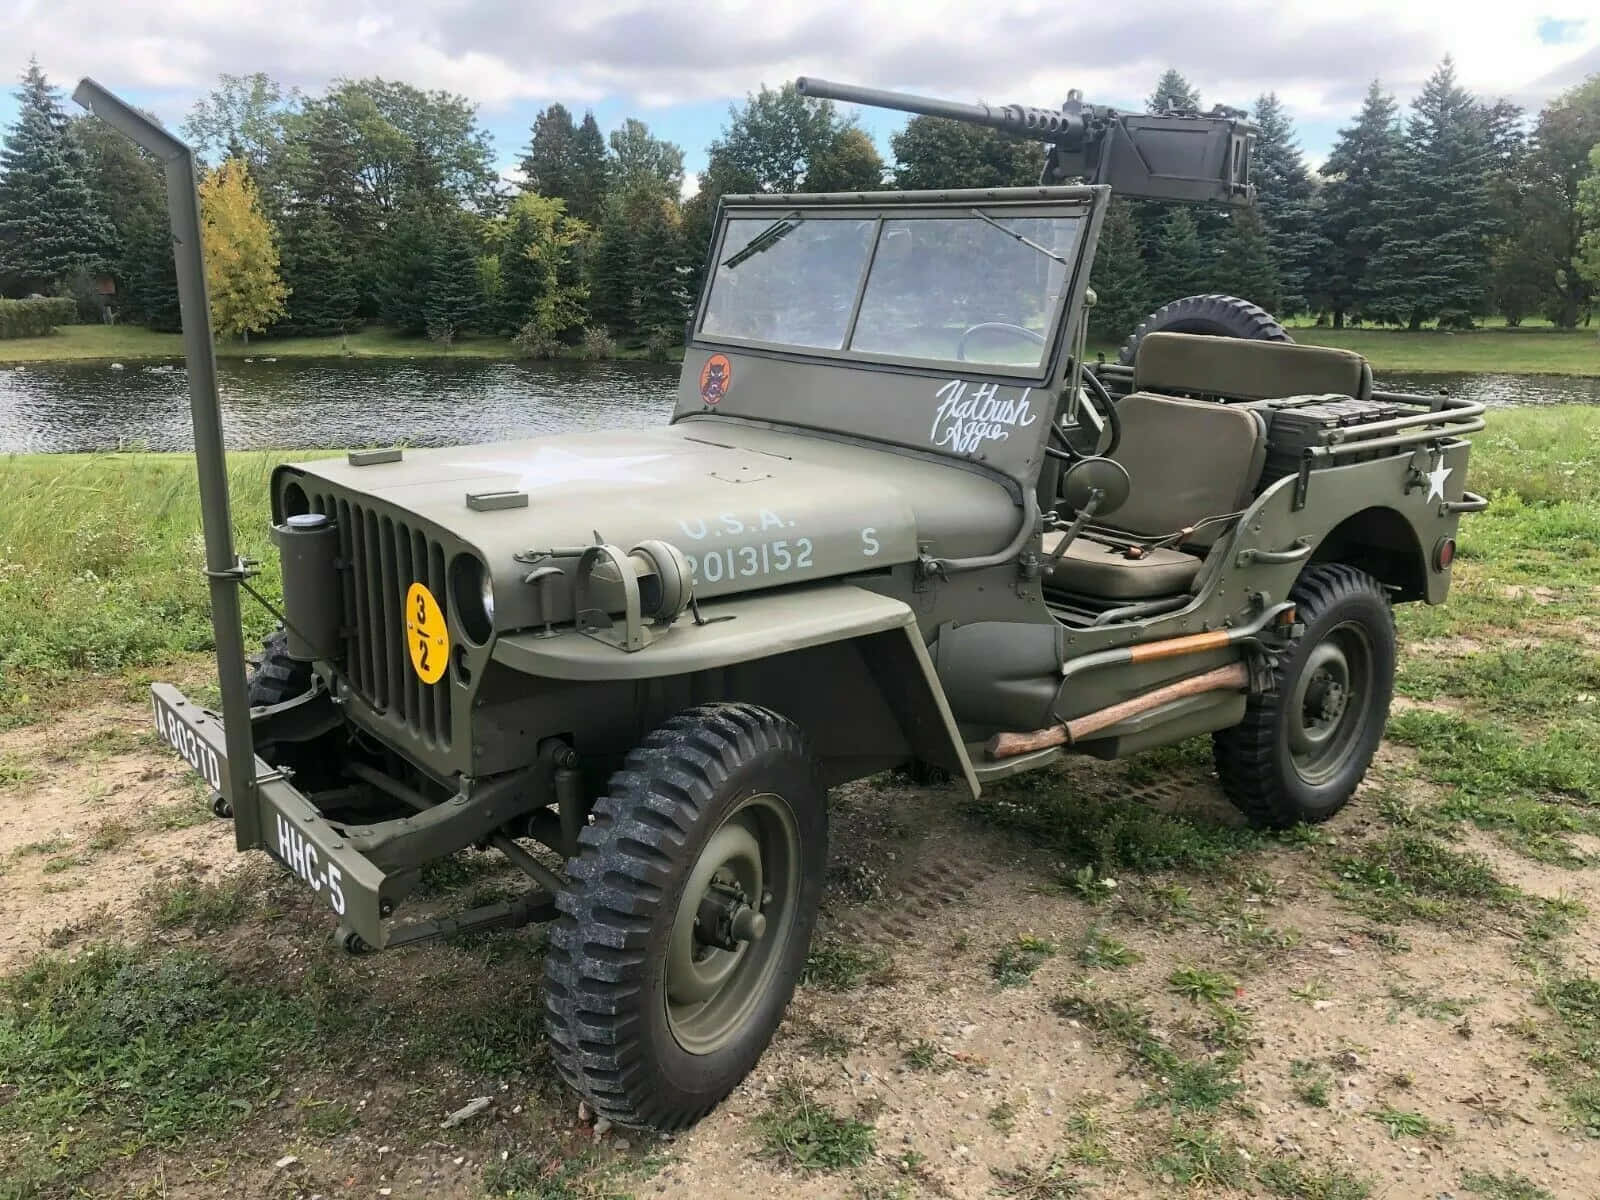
point(383, 556)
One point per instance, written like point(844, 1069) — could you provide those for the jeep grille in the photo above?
point(383, 556)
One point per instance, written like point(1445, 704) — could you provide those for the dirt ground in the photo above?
point(971, 1087)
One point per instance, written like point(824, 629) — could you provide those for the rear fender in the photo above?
point(847, 664)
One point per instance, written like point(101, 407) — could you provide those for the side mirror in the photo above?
point(1097, 481)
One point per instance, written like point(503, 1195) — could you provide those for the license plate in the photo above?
point(295, 851)
point(175, 731)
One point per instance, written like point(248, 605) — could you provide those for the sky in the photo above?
point(679, 66)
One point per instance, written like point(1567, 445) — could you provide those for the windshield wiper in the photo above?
point(1014, 234)
point(765, 240)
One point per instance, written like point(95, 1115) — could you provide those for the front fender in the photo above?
point(744, 631)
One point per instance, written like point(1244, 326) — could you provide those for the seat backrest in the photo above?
point(1187, 460)
point(1195, 365)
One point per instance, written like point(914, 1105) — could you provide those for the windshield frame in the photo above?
point(976, 206)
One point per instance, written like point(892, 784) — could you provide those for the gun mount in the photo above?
point(1190, 157)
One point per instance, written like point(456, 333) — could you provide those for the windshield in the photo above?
point(977, 287)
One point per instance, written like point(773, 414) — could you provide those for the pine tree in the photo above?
point(403, 269)
point(1284, 202)
point(241, 258)
point(591, 172)
point(1246, 266)
point(1351, 210)
point(1437, 217)
point(1173, 91)
point(612, 300)
point(322, 290)
point(663, 300)
point(1121, 285)
point(150, 275)
point(1180, 264)
point(455, 288)
point(50, 220)
point(547, 163)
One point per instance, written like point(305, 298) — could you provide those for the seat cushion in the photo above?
point(1192, 364)
point(1092, 569)
point(1187, 460)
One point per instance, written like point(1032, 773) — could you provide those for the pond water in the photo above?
point(301, 403)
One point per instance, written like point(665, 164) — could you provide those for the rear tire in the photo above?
point(1303, 747)
point(1214, 315)
point(721, 812)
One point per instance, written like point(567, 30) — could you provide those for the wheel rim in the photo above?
point(1327, 712)
point(750, 865)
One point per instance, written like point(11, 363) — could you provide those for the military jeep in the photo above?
point(895, 519)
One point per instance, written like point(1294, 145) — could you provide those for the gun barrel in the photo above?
point(1043, 124)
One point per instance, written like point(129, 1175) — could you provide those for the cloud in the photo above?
point(506, 53)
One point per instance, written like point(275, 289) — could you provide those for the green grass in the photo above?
point(129, 342)
point(1404, 1123)
point(1052, 1181)
point(1406, 876)
point(1509, 1185)
point(835, 966)
point(1100, 949)
point(804, 1133)
point(1197, 984)
point(1522, 351)
point(1015, 962)
point(1310, 1081)
point(1291, 1177)
point(1181, 1083)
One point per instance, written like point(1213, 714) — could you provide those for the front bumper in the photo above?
point(358, 891)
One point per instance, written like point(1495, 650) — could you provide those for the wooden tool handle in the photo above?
point(1233, 677)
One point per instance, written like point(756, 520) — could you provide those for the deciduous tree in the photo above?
point(934, 153)
point(241, 256)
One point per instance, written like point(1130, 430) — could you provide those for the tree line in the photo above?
point(378, 202)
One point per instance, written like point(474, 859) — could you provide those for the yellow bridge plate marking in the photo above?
point(426, 636)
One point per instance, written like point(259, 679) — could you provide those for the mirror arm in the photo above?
point(1090, 507)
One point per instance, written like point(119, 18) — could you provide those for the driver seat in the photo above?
point(1186, 460)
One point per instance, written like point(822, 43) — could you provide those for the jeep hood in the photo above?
point(751, 507)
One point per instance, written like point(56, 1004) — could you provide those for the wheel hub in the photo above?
point(730, 925)
point(1325, 711)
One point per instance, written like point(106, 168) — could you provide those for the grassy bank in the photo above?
point(1523, 351)
point(125, 343)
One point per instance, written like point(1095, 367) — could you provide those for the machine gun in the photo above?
point(1192, 157)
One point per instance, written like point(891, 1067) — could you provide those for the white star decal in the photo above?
point(1436, 478)
point(551, 466)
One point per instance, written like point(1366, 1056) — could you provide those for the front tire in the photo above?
point(1305, 745)
point(688, 917)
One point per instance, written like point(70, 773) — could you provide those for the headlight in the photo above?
point(472, 593)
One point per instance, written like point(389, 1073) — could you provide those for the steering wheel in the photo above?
point(1096, 396)
point(988, 326)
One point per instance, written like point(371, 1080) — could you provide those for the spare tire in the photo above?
point(1213, 315)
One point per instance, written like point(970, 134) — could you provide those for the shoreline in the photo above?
point(1532, 351)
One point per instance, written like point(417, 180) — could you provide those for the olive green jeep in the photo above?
point(894, 519)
